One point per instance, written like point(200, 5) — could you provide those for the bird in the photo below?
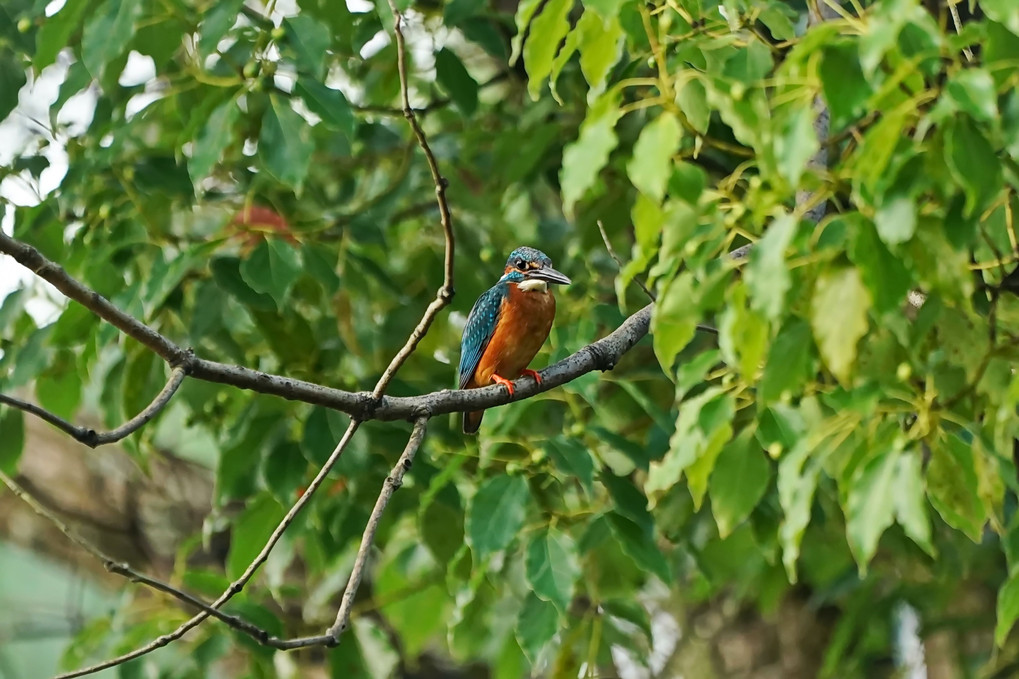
point(507, 326)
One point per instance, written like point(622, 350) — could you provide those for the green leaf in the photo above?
point(870, 507)
point(283, 469)
point(789, 362)
point(328, 104)
point(692, 99)
point(536, 625)
point(703, 427)
point(310, 40)
point(215, 137)
point(272, 268)
point(674, 320)
point(632, 612)
point(251, 531)
point(55, 34)
point(839, 318)
point(742, 334)
point(952, 486)
point(628, 500)
point(226, 271)
point(141, 380)
point(797, 482)
point(767, 276)
point(972, 91)
point(972, 162)
point(846, 89)
point(651, 165)
point(895, 219)
point(107, 34)
point(1008, 608)
point(454, 78)
point(12, 439)
point(884, 274)
point(749, 64)
point(496, 514)
point(542, 43)
point(606, 8)
point(553, 567)
point(525, 12)
point(219, 19)
point(59, 391)
point(599, 42)
point(574, 459)
point(910, 501)
point(738, 482)
point(12, 79)
point(1005, 12)
point(639, 546)
point(456, 11)
point(796, 143)
point(285, 145)
point(585, 158)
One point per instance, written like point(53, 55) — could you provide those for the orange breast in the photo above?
point(523, 326)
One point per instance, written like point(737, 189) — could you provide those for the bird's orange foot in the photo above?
point(504, 382)
point(532, 373)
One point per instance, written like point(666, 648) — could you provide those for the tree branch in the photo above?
point(121, 568)
point(94, 439)
point(237, 585)
point(172, 353)
point(601, 355)
point(389, 486)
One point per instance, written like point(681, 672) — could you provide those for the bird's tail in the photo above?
point(472, 421)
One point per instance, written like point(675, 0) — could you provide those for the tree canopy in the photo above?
point(261, 212)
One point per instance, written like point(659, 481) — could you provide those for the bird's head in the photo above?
point(532, 270)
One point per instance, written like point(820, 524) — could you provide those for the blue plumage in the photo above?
point(481, 324)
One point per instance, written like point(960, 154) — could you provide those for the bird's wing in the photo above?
point(478, 331)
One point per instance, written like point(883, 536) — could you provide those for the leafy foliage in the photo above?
point(262, 200)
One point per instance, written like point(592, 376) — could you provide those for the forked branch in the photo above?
point(92, 438)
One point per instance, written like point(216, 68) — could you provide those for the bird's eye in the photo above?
point(520, 263)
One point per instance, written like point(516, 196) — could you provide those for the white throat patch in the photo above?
point(533, 285)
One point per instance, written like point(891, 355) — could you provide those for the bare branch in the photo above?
point(238, 584)
point(601, 355)
point(55, 275)
point(121, 568)
point(57, 421)
point(619, 262)
point(389, 486)
point(94, 439)
point(392, 482)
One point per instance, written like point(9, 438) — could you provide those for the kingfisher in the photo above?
point(507, 326)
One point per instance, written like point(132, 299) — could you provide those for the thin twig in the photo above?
point(703, 327)
point(429, 108)
point(238, 584)
point(619, 262)
point(445, 294)
point(389, 486)
point(94, 439)
point(954, 11)
point(122, 569)
point(392, 482)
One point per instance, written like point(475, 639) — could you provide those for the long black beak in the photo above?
point(550, 275)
